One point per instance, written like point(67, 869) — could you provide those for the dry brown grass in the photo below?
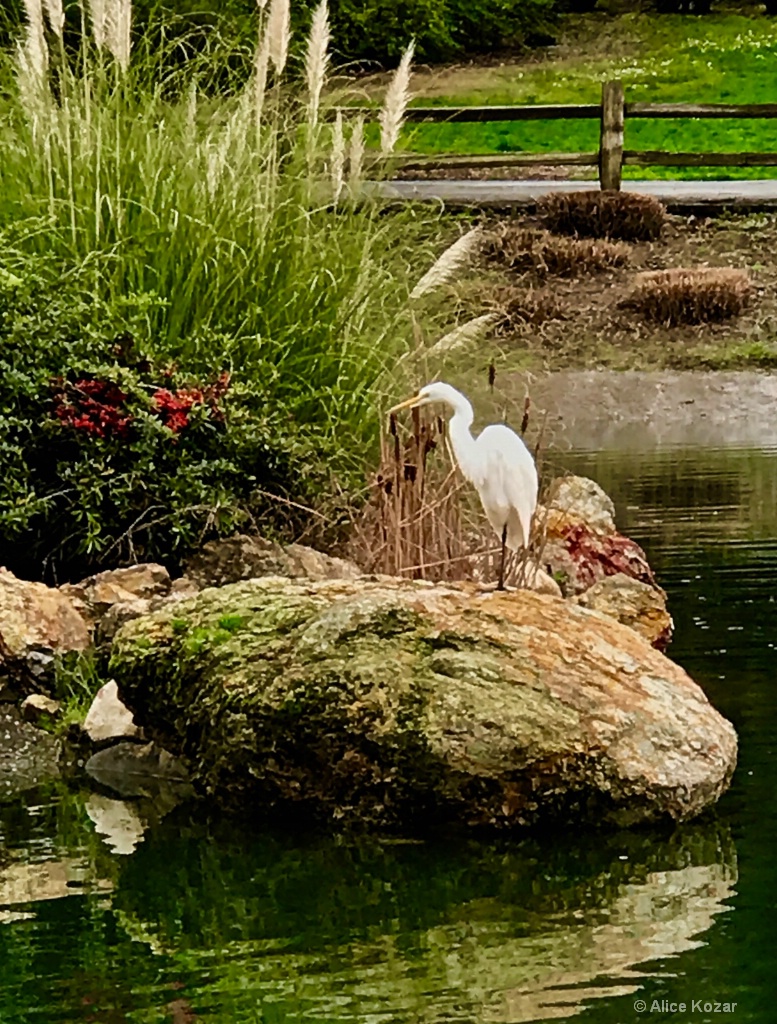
point(423, 521)
point(517, 308)
point(625, 215)
point(690, 296)
point(526, 250)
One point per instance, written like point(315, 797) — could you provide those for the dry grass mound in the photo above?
point(625, 215)
point(692, 296)
point(515, 308)
point(526, 250)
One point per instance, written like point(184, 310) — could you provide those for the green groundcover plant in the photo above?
point(110, 456)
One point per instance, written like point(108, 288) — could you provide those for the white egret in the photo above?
point(497, 462)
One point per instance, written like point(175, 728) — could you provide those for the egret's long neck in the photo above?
point(462, 441)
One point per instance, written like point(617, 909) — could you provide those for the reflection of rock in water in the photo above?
point(516, 935)
point(660, 917)
point(25, 882)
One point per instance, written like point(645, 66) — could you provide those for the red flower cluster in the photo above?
point(94, 407)
point(174, 406)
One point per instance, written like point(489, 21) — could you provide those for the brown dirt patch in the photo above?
point(591, 325)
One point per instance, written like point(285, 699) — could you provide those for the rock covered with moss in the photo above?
point(403, 705)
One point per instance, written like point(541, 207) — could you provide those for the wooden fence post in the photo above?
point(611, 136)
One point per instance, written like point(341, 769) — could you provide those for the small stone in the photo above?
point(38, 707)
point(108, 718)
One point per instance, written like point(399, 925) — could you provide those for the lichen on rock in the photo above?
point(404, 705)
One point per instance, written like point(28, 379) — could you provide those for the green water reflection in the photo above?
point(213, 920)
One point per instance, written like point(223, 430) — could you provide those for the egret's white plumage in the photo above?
point(497, 463)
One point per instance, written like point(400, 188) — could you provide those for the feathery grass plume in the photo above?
point(259, 78)
point(356, 155)
point(317, 60)
point(449, 263)
point(338, 157)
point(278, 34)
point(33, 62)
point(397, 97)
point(462, 335)
point(56, 15)
point(118, 25)
point(98, 14)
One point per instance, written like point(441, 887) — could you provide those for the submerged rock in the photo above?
point(403, 705)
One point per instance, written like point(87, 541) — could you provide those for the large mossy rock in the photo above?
point(403, 705)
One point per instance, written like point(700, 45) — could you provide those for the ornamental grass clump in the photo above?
point(228, 192)
point(690, 296)
point(539, 252)
point(217, 208)
point(628, 216)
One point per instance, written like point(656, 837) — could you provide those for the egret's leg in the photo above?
point(501, 584)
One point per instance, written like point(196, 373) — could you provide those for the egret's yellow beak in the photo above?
point(407, 404)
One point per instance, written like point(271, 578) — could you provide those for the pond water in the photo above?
point(220, 921)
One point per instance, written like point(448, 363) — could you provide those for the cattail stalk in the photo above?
point(392, 115)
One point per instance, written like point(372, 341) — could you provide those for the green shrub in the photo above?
point(109, 456)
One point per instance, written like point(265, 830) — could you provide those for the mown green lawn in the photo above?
point(721, 58)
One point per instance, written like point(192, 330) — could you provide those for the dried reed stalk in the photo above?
point(422, 522)
point(446, 266)
point(397, 97)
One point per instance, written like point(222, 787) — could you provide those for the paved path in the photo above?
point(686, 196)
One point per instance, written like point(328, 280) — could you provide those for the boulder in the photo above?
point(107, 718)
point(36, 624)
point(404, 705)
point(97, 594)
point(582, 500)
point(578, 556)
point(242, 558)
point(635, 604)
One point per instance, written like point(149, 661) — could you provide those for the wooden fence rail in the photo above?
point(612, 113)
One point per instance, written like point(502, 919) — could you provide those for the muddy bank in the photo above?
point(635, 410)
